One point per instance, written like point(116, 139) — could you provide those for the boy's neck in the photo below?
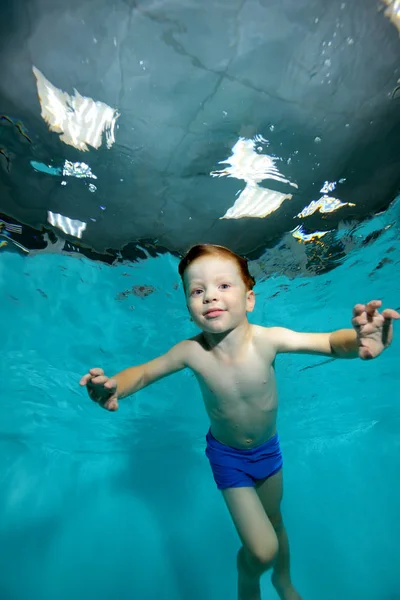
point(230, 343)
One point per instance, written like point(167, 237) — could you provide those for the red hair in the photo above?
point(201, 250)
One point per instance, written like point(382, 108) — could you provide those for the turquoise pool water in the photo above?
point(104, 506)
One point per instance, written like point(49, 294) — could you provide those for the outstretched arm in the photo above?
point(372, 333)
point(107, 390)
point(341, 343)
point(134, 379)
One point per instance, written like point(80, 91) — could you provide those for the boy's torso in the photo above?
point(239, 394)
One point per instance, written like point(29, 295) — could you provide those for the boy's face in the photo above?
point(216, 295)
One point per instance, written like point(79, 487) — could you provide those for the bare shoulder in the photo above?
point(186, 350)
point(196, 348)
point(266, 339)
point(181, 356)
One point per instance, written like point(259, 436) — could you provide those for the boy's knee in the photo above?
point(262, 558)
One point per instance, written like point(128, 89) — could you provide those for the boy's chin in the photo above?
point(216, 328)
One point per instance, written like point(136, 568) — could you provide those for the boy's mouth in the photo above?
point(213, 312)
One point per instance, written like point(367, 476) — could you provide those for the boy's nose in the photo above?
point(210, 296)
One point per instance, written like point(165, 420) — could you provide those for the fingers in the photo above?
point(96, 371)
point(369, 308)
point(358, 309)
point(387, 330)
point(85, 379)
point(389, 313)
point(367, 316)
point(96, 383)
point(372, 307)
point(111, 384)
point(365, 354)
point(99, 380)
point(359, 315)
point(92, 373)
point(363, 313)
point(111, 404)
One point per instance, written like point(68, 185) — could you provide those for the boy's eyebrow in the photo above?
point(196, 281)
point(193, 281)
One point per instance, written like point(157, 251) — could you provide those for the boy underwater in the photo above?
point(234, 364)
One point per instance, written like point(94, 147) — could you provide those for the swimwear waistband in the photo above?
point(272, 443)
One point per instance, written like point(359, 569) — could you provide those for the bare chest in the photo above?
point(244, 379)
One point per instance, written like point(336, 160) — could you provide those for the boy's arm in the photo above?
point(133, 379)
point(372, 333)
point(340, 344)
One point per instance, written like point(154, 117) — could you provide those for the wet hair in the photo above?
point(201, 250)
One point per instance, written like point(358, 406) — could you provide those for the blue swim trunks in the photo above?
point(233, 467)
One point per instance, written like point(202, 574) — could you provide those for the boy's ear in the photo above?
point(250, 301)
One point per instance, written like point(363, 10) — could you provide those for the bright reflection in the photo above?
point(246, 164)
point(67, 225)
point(326, 204)
point(255, 201)
point(393, 12)
point(81, 121)
point(328, 186)
point(299, 234)
point(77, 169)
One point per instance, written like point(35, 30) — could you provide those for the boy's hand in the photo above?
point(101, 389)
point(374, 329)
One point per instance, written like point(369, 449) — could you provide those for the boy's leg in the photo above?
point(270, 492)
point(260, 544)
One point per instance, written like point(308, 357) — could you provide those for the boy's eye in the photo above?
point(225, 285)
point(195, 292)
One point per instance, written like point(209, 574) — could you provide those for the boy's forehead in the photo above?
point(211, 266)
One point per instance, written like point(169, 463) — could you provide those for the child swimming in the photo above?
point(234, 363)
